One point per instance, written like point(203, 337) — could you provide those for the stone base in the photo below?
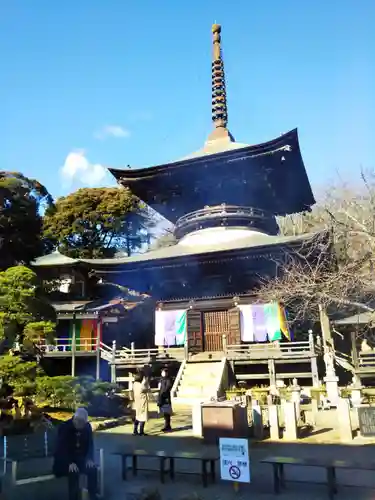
point(332, 387)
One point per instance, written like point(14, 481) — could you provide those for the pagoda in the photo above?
point(223, 201)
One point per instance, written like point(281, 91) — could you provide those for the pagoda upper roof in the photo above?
point(269, 176)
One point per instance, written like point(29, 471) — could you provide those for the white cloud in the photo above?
point(112, 131)
point(78, 168)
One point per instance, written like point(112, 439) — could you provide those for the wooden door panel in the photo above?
point(216, 324)
point(194, 331)
point(234, 334)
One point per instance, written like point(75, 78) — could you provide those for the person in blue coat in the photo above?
point(74, 454)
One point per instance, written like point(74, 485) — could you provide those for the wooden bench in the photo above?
point(167, 459)
point(278, 464)
point(29, 448)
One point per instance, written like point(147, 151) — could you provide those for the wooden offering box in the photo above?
point(224, 419)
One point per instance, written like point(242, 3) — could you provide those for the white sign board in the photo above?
point(234, 460)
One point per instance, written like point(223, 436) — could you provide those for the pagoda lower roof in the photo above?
point(178, 253)
point(269, 176)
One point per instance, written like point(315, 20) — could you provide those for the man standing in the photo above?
point(74, 454)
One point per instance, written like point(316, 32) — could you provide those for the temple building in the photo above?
point(223, 201)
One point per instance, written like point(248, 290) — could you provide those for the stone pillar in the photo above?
point(130, 382)
point(314, 372)
point(344, 420)
point(314, 411)
point(225, 344)
point(272, 372)
point(325, 327)
point(273, 417)
point(290, 422)
point(113, 374)
point(74, 346)
point(356, 392)
point(98, 348)
point(296, 397)
point(197, 420)
point(258, 422)
point(331, 380)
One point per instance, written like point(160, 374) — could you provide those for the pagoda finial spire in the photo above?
point(219, 97)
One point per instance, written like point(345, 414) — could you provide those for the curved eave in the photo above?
point(263, 176)
point(131, 175)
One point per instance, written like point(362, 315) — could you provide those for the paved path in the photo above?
point(261, 487)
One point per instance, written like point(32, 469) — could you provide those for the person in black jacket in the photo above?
point(74, 454)
point(164, 399)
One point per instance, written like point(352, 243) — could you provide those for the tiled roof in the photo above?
point(54, 259)
point(180, 250)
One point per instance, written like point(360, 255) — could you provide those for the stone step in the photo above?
point(196, 394)
point(199, 383)
point(202, 377)
point(189, 401)
point(197, 386)
point(202, 365)
point(204, 368)
point(189, 387)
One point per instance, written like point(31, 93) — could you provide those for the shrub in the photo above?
point(71, 392)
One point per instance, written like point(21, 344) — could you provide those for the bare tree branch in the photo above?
point(312, 276)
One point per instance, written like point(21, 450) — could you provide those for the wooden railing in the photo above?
point(67, 345)
point(265, 351)
point(232, 352)
point(106, 352)
point(366, 360)
point(138, 356)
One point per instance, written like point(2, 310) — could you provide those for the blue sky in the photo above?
point(123, 82)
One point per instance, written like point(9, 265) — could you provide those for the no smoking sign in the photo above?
point(234, 472)
point(234, 460)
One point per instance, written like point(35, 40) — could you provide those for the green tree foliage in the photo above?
point(22, 201)
point(98, 222)
point(24, 313)
point(69, 392)
point(18, 374)
point(27, 379)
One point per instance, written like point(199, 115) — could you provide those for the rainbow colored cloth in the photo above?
point(262, 322)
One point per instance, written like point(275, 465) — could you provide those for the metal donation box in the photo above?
point(224, 419)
